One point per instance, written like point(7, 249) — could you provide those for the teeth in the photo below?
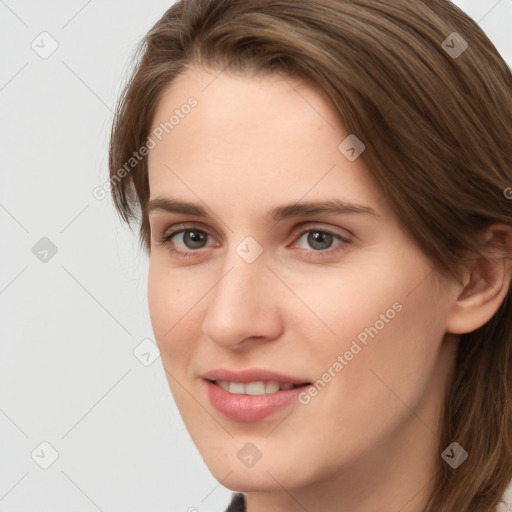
point(237, 387)
point(271, 386)
point(224, 384)
point(254, 388)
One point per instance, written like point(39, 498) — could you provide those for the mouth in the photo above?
point(254, 400)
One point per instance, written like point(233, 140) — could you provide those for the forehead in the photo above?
point(249, 133)
point(244, 104)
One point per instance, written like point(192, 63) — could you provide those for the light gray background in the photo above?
point(69, 326)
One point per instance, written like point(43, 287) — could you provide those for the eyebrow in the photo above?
point(331, 206)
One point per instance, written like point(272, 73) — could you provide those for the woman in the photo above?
point(323, 189)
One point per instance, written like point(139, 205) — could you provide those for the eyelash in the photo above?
point(166, 240)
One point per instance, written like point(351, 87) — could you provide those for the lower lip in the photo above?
point(250, 408)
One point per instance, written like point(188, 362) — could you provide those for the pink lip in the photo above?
point(250, 375)
point(250, 408)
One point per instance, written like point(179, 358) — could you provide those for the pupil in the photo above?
point(193, 239)
point(318, 237)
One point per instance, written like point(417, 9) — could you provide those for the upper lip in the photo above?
point(251, 375)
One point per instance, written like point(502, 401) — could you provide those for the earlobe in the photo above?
point(486, 280)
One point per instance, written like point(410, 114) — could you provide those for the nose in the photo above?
point(244, 306)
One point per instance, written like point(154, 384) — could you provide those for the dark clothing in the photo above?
point(238, 503)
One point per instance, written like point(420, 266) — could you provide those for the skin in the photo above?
point(369, 440)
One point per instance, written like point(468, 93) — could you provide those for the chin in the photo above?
point(266, 475)
point(248, 480)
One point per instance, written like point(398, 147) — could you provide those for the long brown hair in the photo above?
point(427, 92)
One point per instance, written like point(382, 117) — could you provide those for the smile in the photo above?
point(255, 388)
point(252, 401)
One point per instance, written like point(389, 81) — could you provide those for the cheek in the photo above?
point(389, 342)
point(345, 303)
point(172, 298)
point(162, 296)
point(385, 325)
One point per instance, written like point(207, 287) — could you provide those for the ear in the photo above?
point(487, 280)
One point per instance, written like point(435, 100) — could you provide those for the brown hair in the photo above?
point(438, 133)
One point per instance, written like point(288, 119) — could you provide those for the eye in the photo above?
point(192, 239)
point(187, 237)
point(321, 241)
point(185, 241)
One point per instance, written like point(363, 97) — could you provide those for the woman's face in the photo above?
point(263, 288)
